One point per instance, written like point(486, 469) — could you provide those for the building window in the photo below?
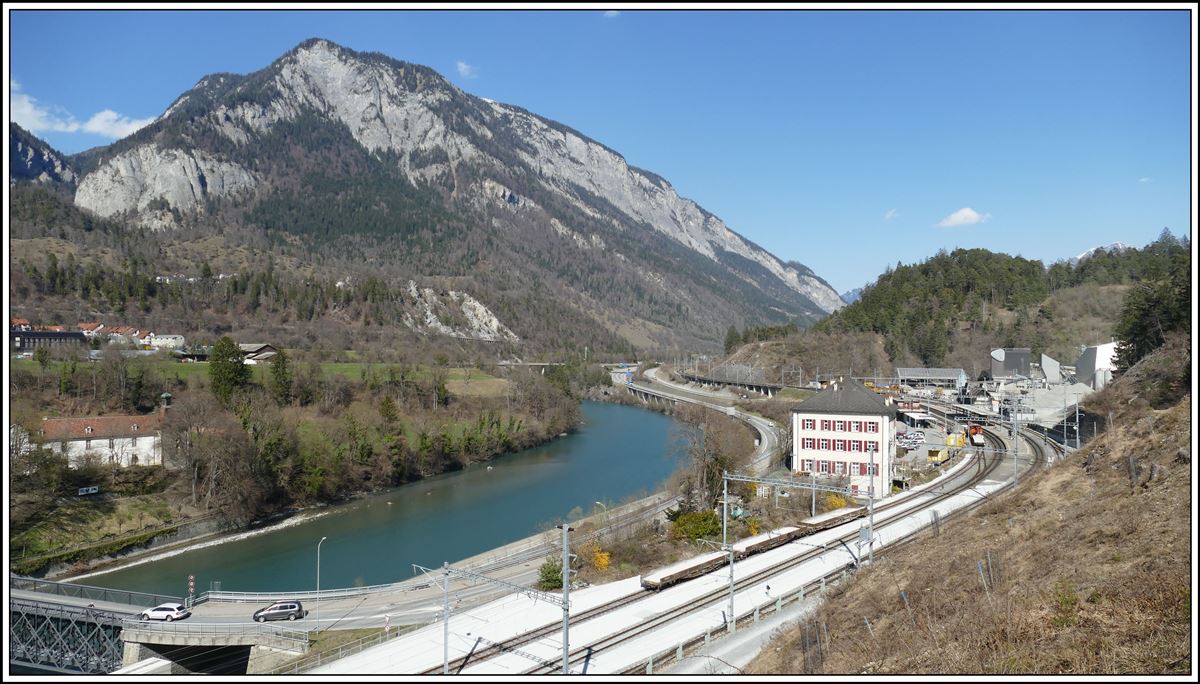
point(110, 442)
point(872, 469)
point(133, 441)
point(824, 466)
point(841, 426)
point(807, 467)
point(810, 443)
point(856, 426)
point(872, 427)
point(135, 427)
point(87, 444)
point(810, 424)
point(856, 445)
point(87, 429)
point(839, 445)
point(824, 425)
point(825, 444)
point(841, 467)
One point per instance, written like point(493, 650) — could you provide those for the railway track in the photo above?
point(990, 461)
point(985, 467)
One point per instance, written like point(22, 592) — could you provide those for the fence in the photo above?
point(534, 550)
point(676, 653)
point(318, 659)
point(83, 591)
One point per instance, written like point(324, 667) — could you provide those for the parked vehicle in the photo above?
point(166, 611)
point(280, 610)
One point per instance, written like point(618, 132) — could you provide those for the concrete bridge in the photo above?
point(651, 396)
point(768, 389)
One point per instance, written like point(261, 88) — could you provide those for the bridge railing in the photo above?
point(272, 596)
point(83, 591)
point(253, 629)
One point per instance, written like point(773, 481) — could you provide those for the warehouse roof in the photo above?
point(930, 373)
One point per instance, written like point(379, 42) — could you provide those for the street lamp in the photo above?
point(601, 504)
point(319, 583)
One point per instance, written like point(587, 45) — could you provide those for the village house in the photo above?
point(90, 330)
point(106, 440)
point(19, 325)
point(254, 353)
point(165, 341)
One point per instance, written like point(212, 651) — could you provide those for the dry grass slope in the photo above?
point(1089, 565)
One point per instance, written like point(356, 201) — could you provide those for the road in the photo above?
point(770, 434)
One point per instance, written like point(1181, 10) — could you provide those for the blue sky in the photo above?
point(845, 140)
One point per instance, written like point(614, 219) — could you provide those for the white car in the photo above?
point(166, 611)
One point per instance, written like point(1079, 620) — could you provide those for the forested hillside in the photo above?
point(953, 308)
point(928, 311)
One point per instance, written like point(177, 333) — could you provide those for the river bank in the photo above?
point(376, 538)
point(203, 532)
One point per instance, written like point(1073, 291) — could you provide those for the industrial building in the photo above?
point(932, 377)
point(1095, 365)
point(1010, 362)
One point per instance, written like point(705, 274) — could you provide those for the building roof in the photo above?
point(124, 330)
point(66, 429)
point(255, 347)
point(90, 326)
point(930, 373)
point(19, 321)
point(848, 397)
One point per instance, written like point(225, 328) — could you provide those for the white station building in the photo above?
point(841, 432)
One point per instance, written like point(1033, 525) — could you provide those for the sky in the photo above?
point(848, 141)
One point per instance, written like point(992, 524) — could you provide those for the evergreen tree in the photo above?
point(226, 372)
point(732, 339)
point(281, 379)
point(1152, 311)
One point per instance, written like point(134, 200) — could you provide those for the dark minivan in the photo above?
point(280, 610)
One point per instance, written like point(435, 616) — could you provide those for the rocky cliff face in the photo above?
point(31, 159)
point(135, 180)
point(532, 182)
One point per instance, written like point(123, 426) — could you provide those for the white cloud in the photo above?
point(891, 214)
point(612, 13)
point(113, 125)
point(1145, 179)
point(466, 70)
point(36, 117)
point(964, 217)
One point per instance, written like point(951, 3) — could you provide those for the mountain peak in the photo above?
point(1117, 246)
point(384, 140)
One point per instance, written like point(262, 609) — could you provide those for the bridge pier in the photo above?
point(136, 653)
point(264, 659)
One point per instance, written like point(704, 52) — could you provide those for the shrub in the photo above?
point(696, 525)
point(550, 575)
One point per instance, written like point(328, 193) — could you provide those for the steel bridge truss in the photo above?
point(65, 638)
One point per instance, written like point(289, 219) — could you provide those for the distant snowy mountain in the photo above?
point(1119, 246)
point(852, 296)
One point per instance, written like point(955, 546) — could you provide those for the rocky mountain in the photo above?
point(31, 159)
point(852, 296)
point(359, 160)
